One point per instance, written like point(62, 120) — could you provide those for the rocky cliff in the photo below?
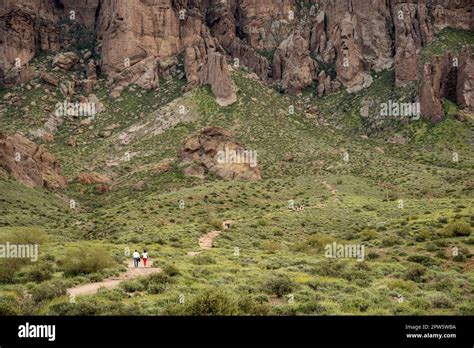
point(279, 40)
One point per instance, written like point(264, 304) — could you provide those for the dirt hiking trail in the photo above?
point(113, 282)
point(207, 240)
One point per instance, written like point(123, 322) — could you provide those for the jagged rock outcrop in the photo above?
point(26, 27)
point(370, 25)
point(223, 26)
point(350, 62)
point(266, 23)
point(293, 66)
point(133, 36)
point(430, 99)
point(326, 85)
point(465, 81)
point(456, 14)
point(413, 30)
point(450, 76)
point(140, 41)
point(205, 64)
point(30, 163)
point(215, 150)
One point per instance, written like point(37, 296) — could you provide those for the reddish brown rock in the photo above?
point(91, 70)
point(84, 12)
point(293, 66)
point(465, 81)
point(102, 188)
point(65, 60)
point(449, 76)
point(205, 64)
point(30, 163)
point(215, 150)
point(413, 30)
point(49, 78)
point(350, 63)
point(26, 27)
point(430, 103)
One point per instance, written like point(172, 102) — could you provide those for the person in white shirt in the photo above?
point(144, 257)
point(136, 258)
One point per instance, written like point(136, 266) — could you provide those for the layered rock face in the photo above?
point(83, 11)
point(264, 24)
point(448, 76)
point(465, 81)
point(139, 41)
point(204, 64)
point(215, 150)
point(293, 66)
point(130, 40)
point(30, 163)
point(26, 27)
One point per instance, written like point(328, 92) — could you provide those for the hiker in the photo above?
point(136, 258)
point(144, 257)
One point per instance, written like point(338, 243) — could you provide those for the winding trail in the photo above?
point(207, 240)
point(113, 282)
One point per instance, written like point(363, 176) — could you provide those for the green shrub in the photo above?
point(311, 308)
point(18, 235)
point(319, 241)
point(115, 295)
point(132, 285)
point(252, 307)
point(203, 260)
point(441, 301)
point(46, 291)
point(330, 268)
point(355, 304)
point(171, 270)
point(39, 272)
point(9, 305)
point(156, 278)
point(369, 234)
point(8, 269)
point(391, 241)
point(372, 255)
point(460, 257)
point(86, 260)
point(279, 285)
point(23, 235)
point(422, 236)
point(415, 273)
point(420, 303)
point(457, 229)
point(422, 259)
point(270, 246)
point(212, 301)
point(156, 288)
point(443, 220)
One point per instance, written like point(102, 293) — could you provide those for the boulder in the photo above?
point(49, 78)
point(65, 60)
point(215, 150)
